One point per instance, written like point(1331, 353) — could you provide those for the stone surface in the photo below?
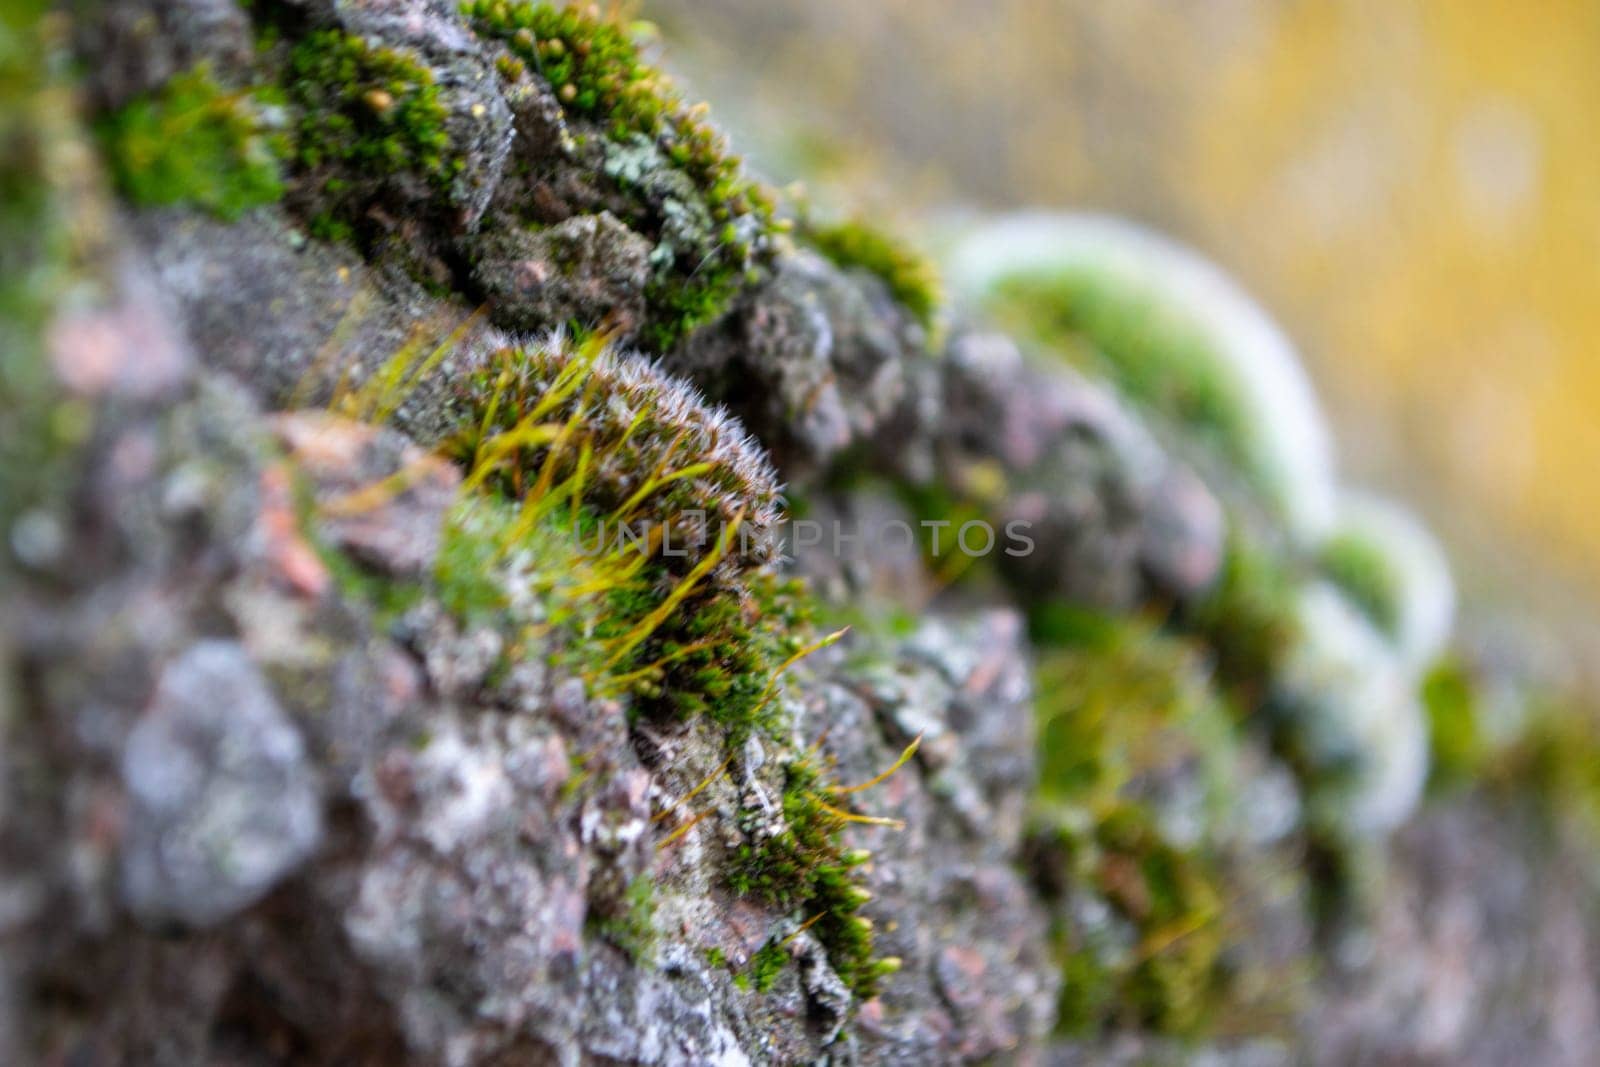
point(590, 268)
point(222, 801)
point(380, 498)
point(811, 361)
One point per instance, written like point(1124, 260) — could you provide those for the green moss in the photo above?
point(468, 572)
point(633, 930)
point(365, 111)
point(661, 480)
point(1170, 977)
point(708, 227)
point(1174, 902)
point(721, 653)
point(1116, 699)
point(1363, 572)
point(1156, 357)
point(194, 142)
point(1088, 992)
point(1248, 620)
point(1119, 703)
point(805, 869)
point(680, 302)
point(767, 964)
point(644, 446)
point(1450, 699)
point(910, 276)
point(1554, 759)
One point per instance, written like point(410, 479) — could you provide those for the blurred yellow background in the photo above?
point(1411, 186)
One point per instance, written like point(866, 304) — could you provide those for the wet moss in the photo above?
point(196, 142)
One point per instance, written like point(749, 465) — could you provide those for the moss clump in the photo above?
point(1174, 903)
point(670, 498)
point(1158, 964)
point(1116, 700)
point(365, 112)
point(562, 434)
point(1248, 620)
point(804, 868)
point(639, 446)
point(767, 964)
point(1450, 699)
point(1121, 705)
point(717, 658)
point(194, 142)
point(710, 224)
point(1364, 573)
point(910, 276)
point(1155, 356)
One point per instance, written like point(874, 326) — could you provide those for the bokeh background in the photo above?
point(1411, 186)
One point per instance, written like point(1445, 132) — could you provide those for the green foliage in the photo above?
point(597, 73)
point(1364, 573)
point(910, 276)
point(194, 142)
point(1154, 355)
point(365, 111)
